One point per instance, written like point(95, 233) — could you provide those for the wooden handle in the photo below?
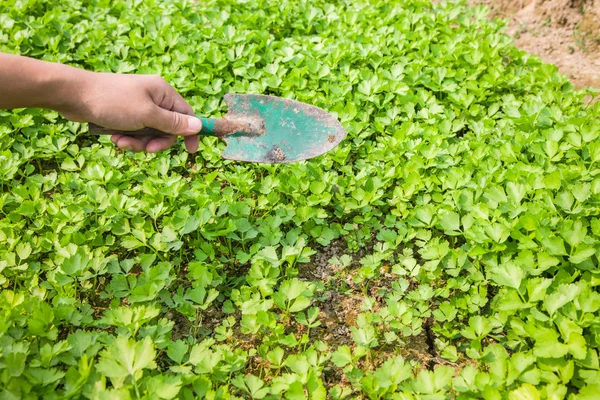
point(210, 127)
point(98, 130)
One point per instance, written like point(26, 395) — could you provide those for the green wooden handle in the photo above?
point(209, 128)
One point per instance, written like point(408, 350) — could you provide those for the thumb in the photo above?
point(174, 123)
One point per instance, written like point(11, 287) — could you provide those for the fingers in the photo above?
point(147, 144)
point(160, 143)
point(173, 122)
point(135, 144)
point(171, 114)
point(191, 143)
point(167, 111)
point(180, 105)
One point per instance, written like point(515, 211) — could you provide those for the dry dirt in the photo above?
point(565, 33)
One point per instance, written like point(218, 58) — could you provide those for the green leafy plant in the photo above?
point(448, 248)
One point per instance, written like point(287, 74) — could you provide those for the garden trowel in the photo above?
point(264, 129)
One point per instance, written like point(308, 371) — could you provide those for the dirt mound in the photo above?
point(565, 33)
point(580, 15)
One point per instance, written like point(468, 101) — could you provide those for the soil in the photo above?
point(341, 305)
point(565, 33)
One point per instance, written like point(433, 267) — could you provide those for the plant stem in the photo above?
point(135, 386)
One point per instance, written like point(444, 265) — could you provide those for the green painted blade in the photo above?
point(293, 131)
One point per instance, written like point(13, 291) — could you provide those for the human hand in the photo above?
point(114, 101)
point(131, 102)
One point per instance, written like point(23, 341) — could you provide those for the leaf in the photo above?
point(177, 351)
point(430, 382)
point(546, 261)
point(203, 358)
point(519, 362)
point(77, 263)
point(126, 357)
point(524, 392)
point(191, 224)
point(342, 356)
point(554, 245)
point(256, 387)
point(300, 304)
point(574, 232)
point(479, 327)
point(131, 243)
point(572, 335)
point(131, 318)
point(146, 260)
point(164, 387)
point(44, 377)
point(293, 295)
point(536, 288)
point(581, 254)
point(15, 362)
point(581, 191)
point(317, 187)
point(564, 200)
point(298, 364)
point(23, 250)
point(365, 336)
point(450, 222)
point(564, 294)
point(275, 356)
point(547, 344)
point(497, 232)
point(445, 312)
point(591, 359)
point(508, 274)
point(393, 372)
point(512, 301)
point(515, 192)
point(295, 391)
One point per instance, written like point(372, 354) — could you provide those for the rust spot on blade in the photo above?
point(276, 155)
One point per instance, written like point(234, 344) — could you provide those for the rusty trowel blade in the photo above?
point(293, 130)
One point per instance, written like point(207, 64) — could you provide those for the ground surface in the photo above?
point(448, 248)
point(565, 33)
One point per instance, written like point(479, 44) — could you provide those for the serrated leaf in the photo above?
point(524, 392)
point(342, 357)
point(564, 294)
point(126, 357)
point(450, 221)
point(508, 274)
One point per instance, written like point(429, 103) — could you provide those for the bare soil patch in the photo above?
point(565, 33)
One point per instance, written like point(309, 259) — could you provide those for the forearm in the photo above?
point(26, 82)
